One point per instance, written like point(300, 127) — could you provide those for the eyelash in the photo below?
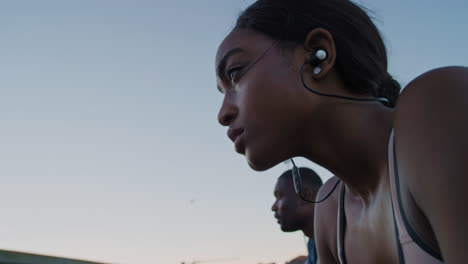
point(231, 71)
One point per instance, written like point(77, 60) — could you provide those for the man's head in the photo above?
point(292, 212)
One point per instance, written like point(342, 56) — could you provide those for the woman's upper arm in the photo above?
point(431, 129)
point(325, 223)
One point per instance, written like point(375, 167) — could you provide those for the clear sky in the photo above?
point(109, 145)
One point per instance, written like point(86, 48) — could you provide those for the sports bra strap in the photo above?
point(341, 225)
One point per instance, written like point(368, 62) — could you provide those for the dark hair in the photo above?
point(308, 176)
point(361, 60)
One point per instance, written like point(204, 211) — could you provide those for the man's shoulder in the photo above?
point(312, 258)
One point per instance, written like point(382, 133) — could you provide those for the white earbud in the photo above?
point(321, 54)
point(315, 60)
point(317, 70)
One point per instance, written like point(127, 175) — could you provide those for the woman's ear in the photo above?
point(320, 39)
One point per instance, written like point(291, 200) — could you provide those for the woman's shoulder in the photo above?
point(328, 188)
point(431, 119)
point(433, 88)
point(431, 144)
point(325, 221)
point(433, 105)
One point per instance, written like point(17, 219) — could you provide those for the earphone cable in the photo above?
point(380, 99)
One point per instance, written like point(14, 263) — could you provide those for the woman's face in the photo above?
point(264, 101)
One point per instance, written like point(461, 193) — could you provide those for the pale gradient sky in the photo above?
point(108, 128)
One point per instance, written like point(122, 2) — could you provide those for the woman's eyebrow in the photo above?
point(223, 61)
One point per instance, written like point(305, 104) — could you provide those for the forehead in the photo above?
point(245, 39)
point(284, 184)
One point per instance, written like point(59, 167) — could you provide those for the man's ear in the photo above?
point(316, 39)
point(308, 194)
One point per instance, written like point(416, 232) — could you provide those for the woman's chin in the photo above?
point(259, 162)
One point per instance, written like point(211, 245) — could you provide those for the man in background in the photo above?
point(294, 213)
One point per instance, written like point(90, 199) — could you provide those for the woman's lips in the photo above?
point(235, 134)
point(239, 144)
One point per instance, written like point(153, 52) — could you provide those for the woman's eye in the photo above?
point(233, 73)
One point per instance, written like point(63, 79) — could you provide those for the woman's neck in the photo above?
point(354, 145)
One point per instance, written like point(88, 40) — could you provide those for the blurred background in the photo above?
point(109, 145)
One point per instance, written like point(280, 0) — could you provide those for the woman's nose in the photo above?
point(227, 113)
